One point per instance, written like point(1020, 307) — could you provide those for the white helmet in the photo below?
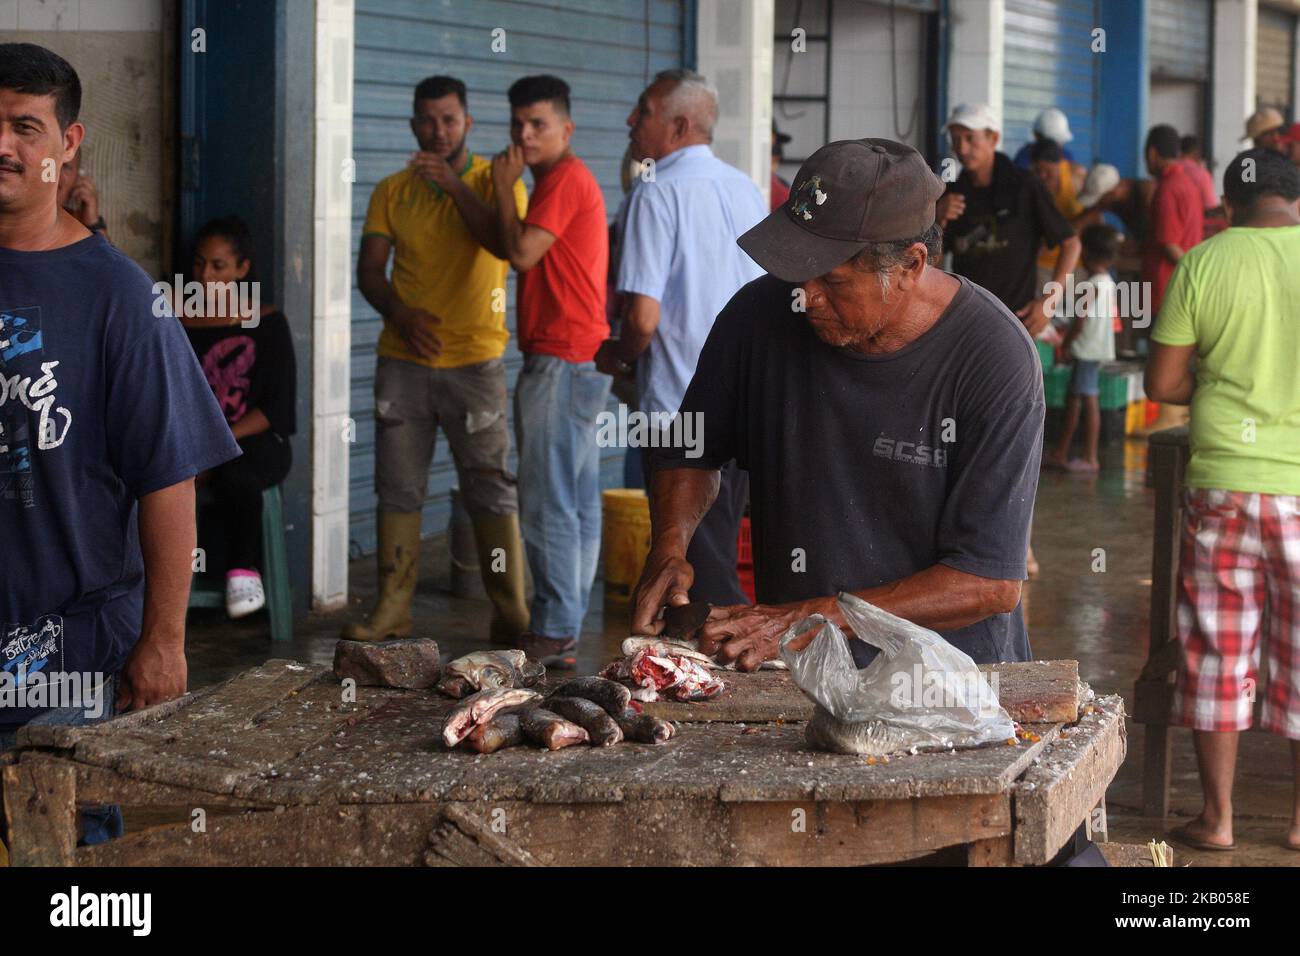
point(1052, 124)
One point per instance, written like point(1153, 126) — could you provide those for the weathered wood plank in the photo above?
point(1037, 692)
point(1057, 793)
point(40, 806)
point(720, 761)
point(631, 833)
point(1033, 692)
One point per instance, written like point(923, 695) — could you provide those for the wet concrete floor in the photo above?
point(1099, 617)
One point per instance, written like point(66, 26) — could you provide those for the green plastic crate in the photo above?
point(1055, 383)
point(1114, 389)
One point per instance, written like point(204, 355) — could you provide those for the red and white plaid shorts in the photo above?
point(1239, 578)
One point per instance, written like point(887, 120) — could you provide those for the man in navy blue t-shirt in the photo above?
point(890, 416)
point(105, 419)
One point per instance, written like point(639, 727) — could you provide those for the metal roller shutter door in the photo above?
point(1274, 49)
point(1178, 42)
point(604, 49)
point(1049, 62)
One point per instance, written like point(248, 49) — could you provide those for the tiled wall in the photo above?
point(109, 15)
point(332, 306)
point(735, 51)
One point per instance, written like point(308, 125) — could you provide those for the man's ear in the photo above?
point(568, 130)
point(994, 137)
point(681, 127)
point(469, 123)
point(72, 137)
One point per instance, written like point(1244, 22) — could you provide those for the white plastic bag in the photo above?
point(920, 691)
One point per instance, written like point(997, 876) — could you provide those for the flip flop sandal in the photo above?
point(1196, 843)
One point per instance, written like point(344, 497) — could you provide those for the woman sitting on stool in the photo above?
point(249, 362)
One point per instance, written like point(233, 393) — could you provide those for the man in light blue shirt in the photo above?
point(678, 266)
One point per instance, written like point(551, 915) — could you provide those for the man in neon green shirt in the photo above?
point(1233, 304)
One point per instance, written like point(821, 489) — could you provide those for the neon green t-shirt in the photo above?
point(1236, 297)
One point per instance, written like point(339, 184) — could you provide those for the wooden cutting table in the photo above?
point(272, 768)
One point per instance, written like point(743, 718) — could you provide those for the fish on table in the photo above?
point(482, 670)
point(480, 708)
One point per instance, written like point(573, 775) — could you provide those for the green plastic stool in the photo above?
point(275, 571)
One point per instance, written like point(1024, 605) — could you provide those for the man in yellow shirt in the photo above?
point(440, 363)
point(1231, 307)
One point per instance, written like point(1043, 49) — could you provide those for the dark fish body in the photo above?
point(643, 728)
point(550, 729)
point(867, 737)
point(608, 694)
point(503, 730)
point(591, 717)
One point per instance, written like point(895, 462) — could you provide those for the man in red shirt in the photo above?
point(1177, 212)
point(561, 249)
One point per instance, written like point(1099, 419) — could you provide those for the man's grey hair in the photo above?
point(692, 96)
point(886, 258)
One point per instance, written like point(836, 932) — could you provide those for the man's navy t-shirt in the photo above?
point(865, 469)
point(101, 402)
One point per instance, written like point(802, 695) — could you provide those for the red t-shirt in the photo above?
point(1177, 217)
point(562, 298)
point(779, 192)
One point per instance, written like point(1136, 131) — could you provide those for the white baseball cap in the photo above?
point(1052, 124)
point(975, 116)
point(1102, 178)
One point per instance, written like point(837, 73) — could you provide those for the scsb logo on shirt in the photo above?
point(910, 451)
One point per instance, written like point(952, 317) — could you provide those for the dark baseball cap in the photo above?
point(847, 194)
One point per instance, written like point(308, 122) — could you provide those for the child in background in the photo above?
point(1089, 342)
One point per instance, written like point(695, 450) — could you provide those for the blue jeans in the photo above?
point(98, 824)
point(556, 404)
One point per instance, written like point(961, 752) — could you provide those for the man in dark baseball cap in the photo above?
point(889, 414)
point(847, 194)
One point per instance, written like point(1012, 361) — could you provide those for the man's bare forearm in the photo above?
point(510, 228)
point(1068, 259)
point(167, 540)
point(378, 291)
point(940, 598)
point(679, 500)
point(480, 220)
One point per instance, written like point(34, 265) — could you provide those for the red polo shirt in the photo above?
point(1177, 217)
point(562, 298)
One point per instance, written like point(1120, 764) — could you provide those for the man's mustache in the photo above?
point(11, 165)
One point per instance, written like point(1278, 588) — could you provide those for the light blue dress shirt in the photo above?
point(678, 246)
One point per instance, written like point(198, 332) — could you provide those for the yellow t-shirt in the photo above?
point(438, 266)
point(1067, 203)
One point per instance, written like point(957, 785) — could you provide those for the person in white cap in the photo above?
point(995, 218)
point(1052, 125)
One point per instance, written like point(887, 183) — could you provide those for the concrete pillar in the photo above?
point(734, 50)
point(332, 429)
point(976, 53)
point(1232, 95)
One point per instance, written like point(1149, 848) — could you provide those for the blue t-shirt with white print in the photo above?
point(101, 403)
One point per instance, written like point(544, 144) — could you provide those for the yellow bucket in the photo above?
point(625, 538)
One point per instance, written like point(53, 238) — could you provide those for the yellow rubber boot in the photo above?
point(399, 566)
point(501, 564)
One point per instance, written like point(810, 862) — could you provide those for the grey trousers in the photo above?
point(469, 404)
